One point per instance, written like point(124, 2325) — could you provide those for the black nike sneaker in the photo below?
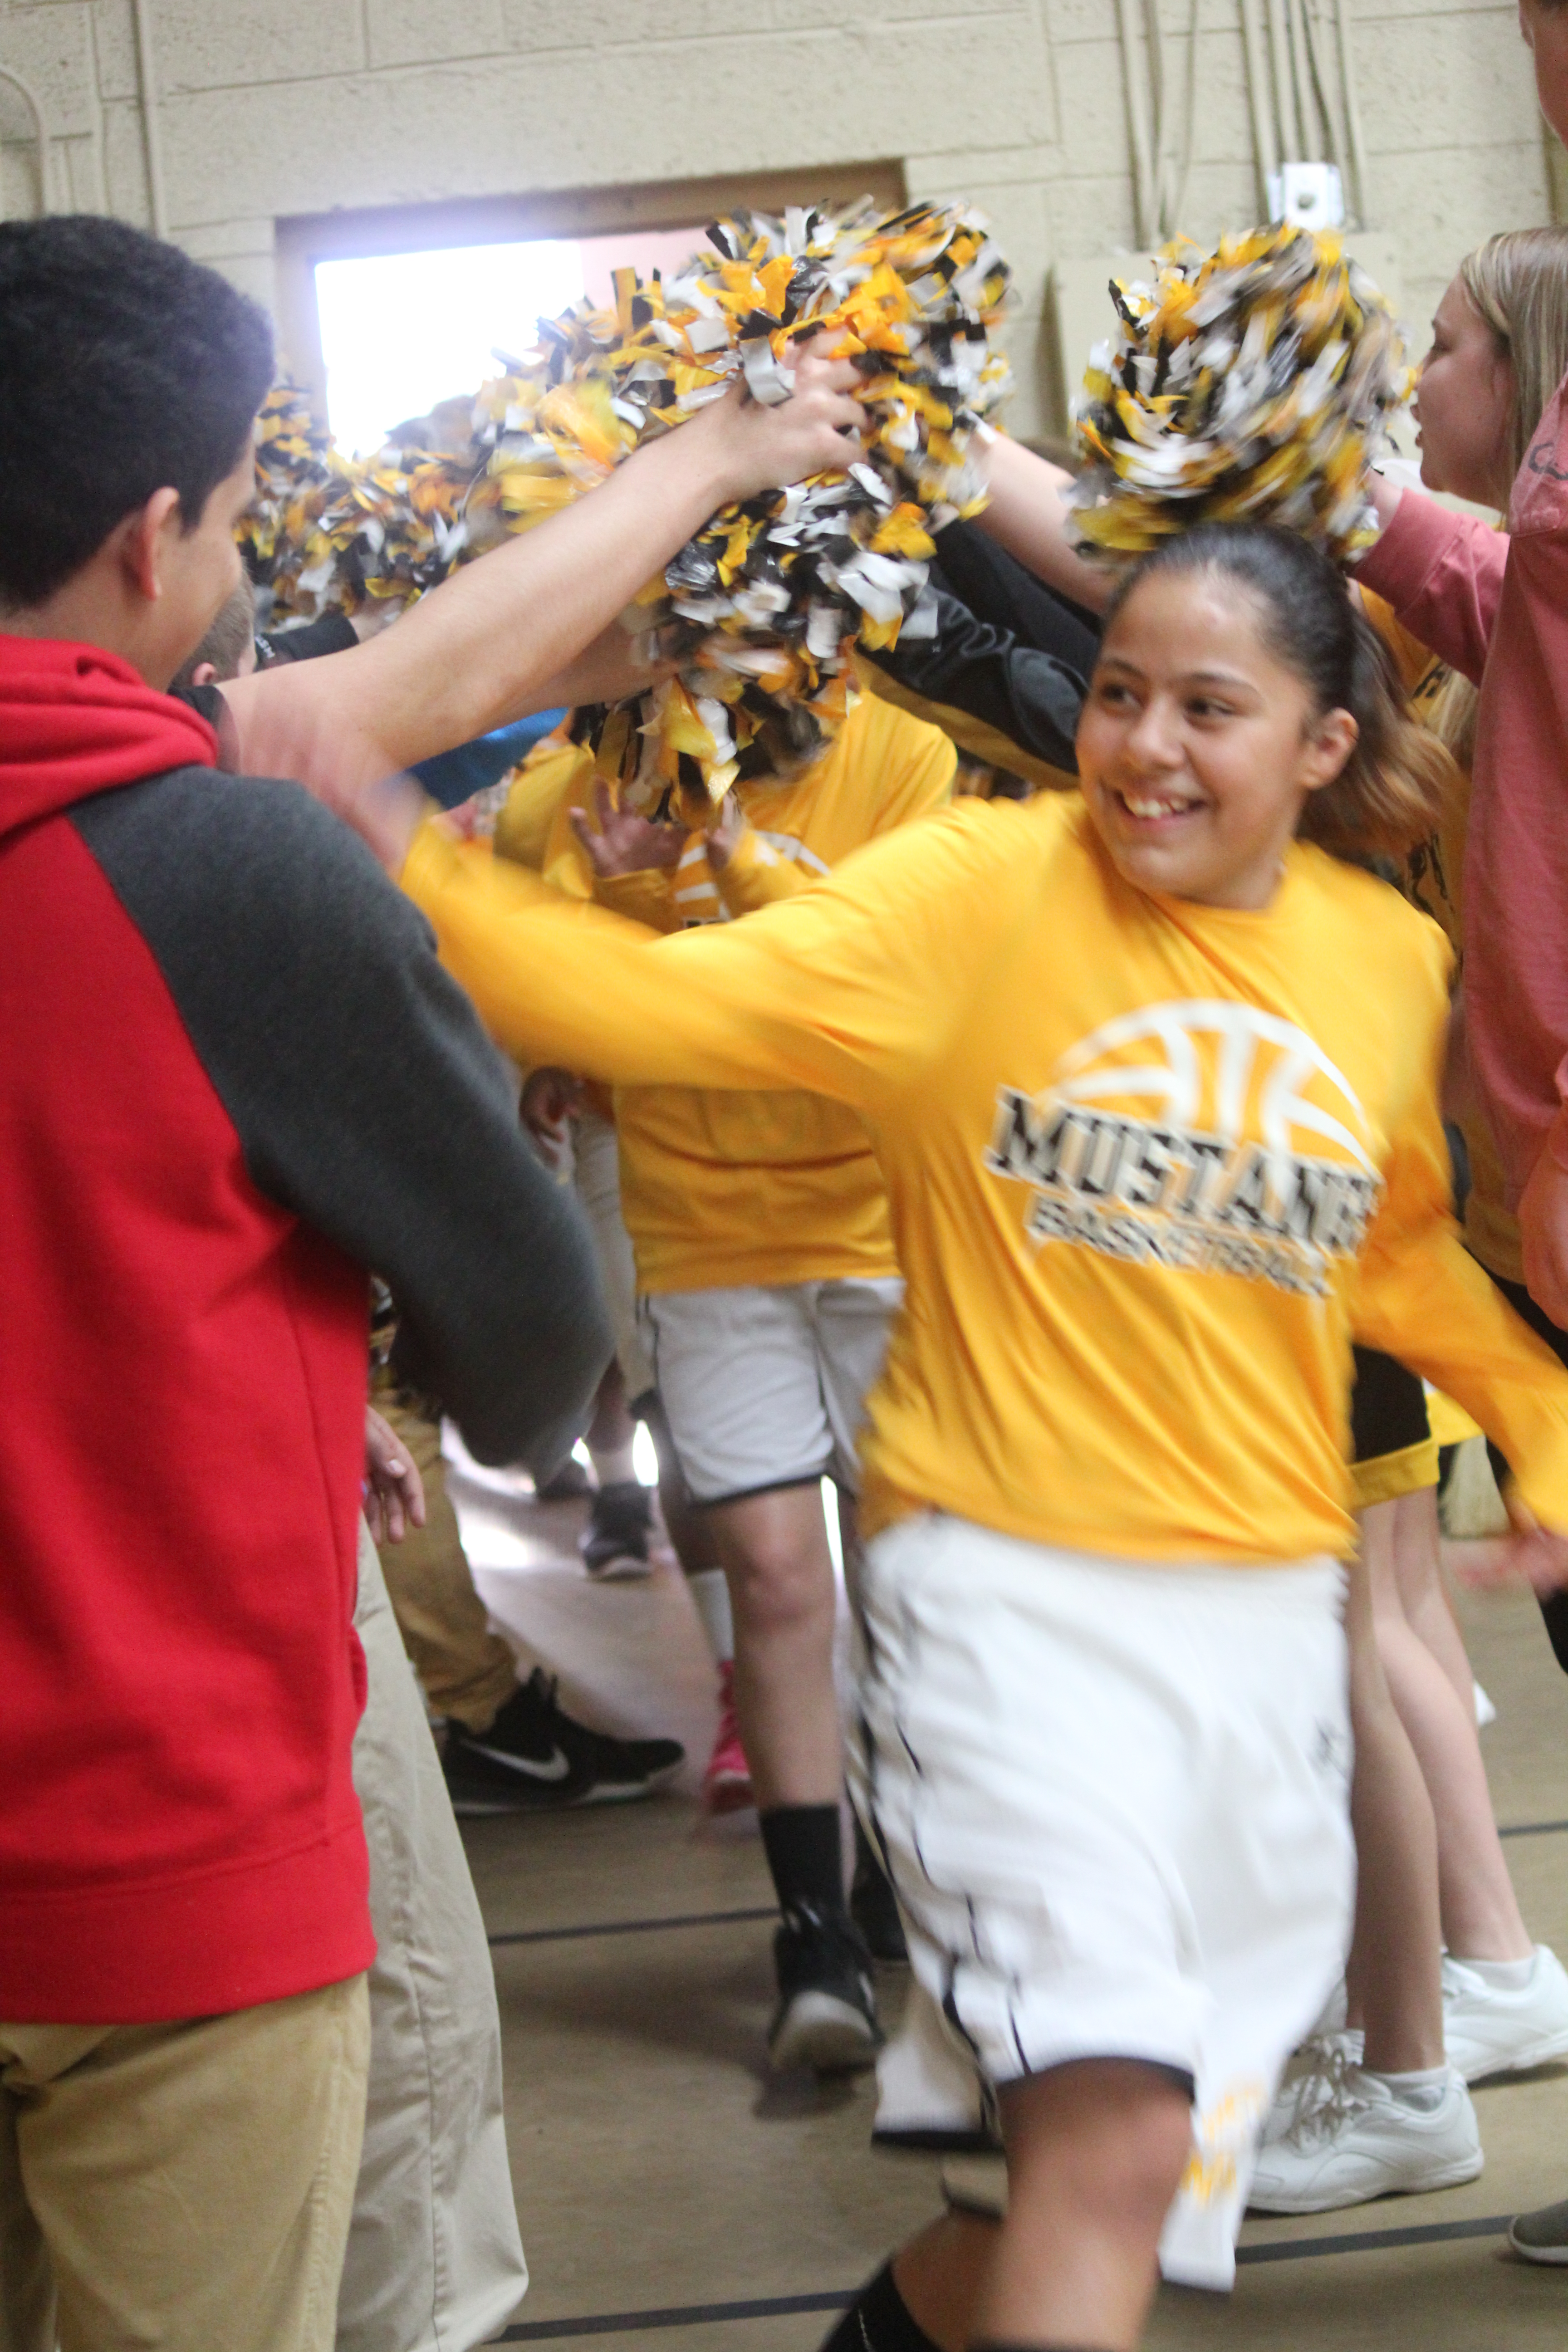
point(826, 2016)
point(534, 1758)
point(615, 1544)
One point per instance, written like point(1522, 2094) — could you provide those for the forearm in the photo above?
point(495, 641)
point(1441, 571)
point(1028, 517)
point(999, 699)
point(567, 982)
point(1438, 1312)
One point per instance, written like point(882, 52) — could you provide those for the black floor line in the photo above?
point(1533, 1829)
point(693, 2314)
point(707, 2315)
point(1358, 2241)
point(634, 1927)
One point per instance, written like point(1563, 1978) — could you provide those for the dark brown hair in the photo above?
point(1393, 788)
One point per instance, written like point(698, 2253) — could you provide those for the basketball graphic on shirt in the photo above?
point(1228, 1070)
point(1196, 1137)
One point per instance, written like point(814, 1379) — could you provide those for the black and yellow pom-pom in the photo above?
point(760, 610)
point(1255, 383)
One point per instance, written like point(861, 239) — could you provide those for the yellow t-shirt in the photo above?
point(1150, 1164)
point(719, 1189)
point(1434, 881)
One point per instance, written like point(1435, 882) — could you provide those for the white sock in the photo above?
point(614, 1464)
point(1422, 2088)
point(1501, 1976)
point(710, 1596)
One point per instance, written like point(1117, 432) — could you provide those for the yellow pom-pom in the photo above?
point(1255, 381)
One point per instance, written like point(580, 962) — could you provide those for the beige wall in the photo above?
point(271, 109)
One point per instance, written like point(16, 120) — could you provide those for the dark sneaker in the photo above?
point(826, 2016)
point(615, 1544)
point(873, 1906)
point(536, 1759)
point(1541, 2236)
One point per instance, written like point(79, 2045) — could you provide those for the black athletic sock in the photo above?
point(805, 1856)
point(879, 2320)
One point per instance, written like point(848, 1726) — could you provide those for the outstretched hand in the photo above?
point(1528, 1554)
point(393, 1490)
point(624, 842)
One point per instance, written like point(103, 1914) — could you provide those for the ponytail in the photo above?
point(1392, 790)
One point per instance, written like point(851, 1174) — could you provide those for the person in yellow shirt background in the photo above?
point(766, 1278)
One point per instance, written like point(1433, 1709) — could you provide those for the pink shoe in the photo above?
point(727, 1782)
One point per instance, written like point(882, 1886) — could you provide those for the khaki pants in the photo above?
point(466, 1671)
point(433, 2261)
point(183, 2185)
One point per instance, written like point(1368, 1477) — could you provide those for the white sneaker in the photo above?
point(1337, 2136)
point(1488, 2029)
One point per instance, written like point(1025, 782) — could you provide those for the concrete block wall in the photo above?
point(273, 108)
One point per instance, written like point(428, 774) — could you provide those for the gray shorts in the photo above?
point(766, 1385)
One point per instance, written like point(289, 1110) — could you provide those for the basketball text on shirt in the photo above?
point(1224, 1179)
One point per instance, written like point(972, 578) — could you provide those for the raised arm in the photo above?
point(500, 638)
point(1027, 515)
point(1441, 571)
point(1002, 700)
point(842, 990)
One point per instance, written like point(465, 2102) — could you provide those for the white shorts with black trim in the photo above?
point(1113, 1801)
point(766, 1386)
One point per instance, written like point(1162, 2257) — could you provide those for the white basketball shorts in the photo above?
point(766, 1385)
point(1113, 1800)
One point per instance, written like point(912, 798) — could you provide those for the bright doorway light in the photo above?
point(835, 1533)
point(402, 331)
point(645, 1461)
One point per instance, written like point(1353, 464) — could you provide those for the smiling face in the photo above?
point(1197, 745)
point(1464, 404)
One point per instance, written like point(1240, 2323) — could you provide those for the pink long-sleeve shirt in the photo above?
point(1496, 607)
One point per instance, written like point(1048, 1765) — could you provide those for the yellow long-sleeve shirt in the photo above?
point(1150, 1164)
point(720, 1189)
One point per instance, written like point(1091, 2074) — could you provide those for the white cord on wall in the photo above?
point(1145, 200)
point(151, 131)
point(1301, 98)
point(1159, 176)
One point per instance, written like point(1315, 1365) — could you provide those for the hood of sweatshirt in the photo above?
point(75, 720)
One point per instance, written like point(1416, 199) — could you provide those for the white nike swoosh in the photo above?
point(555, 1767)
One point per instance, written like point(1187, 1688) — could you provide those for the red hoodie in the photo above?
point(233, 1077)
point(179, 1833)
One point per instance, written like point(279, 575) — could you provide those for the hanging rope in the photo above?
point(1160, 139)
point(1302, 97)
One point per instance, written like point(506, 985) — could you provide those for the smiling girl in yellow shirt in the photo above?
point(1153, 1086)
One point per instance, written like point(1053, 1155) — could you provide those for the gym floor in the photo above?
point(675, 2199)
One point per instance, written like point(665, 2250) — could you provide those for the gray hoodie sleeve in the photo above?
point(366, 1096)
